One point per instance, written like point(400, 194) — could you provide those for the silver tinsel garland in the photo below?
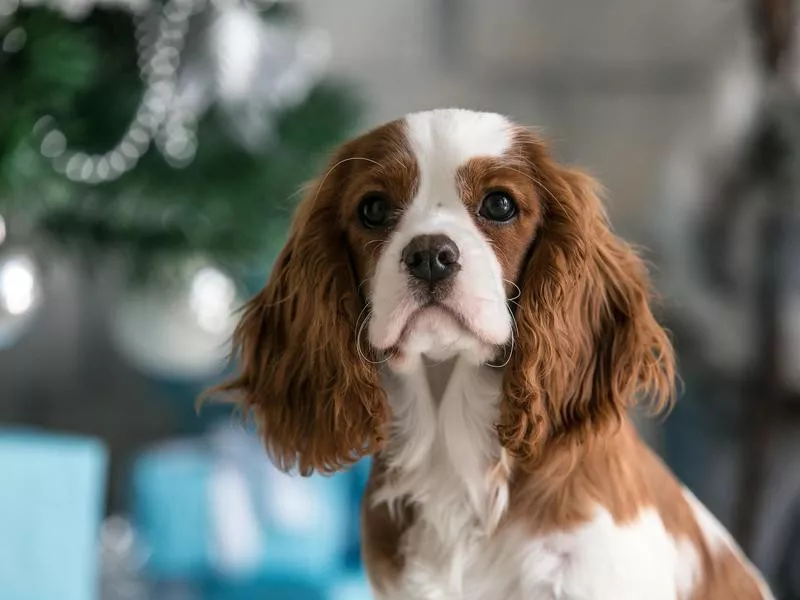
point(234, 59)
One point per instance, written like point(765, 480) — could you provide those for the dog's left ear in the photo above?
point(588, 346)
point(319, 406)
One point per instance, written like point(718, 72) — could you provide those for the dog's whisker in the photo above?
point(515, 286)
point(535, 180)
point(514, 333)
point(359, 332)
point(515, 326)
point(366, 307)
point(378, 242)
point(512, 341)
point(510, 354)
point(332, 169)
point(361, 285)
point(486, 298)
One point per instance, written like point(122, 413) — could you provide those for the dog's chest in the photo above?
point(596, 561)
point(443, 457)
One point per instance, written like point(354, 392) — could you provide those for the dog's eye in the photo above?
point(374, 211)
point(498, 206)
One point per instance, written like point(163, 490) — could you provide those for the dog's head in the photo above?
point(447, 233)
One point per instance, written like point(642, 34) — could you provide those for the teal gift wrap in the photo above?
point(51, 506)
point(216, 508)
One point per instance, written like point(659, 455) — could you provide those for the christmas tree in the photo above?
point(161, 128)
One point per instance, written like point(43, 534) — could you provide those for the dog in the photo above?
point(453, 302)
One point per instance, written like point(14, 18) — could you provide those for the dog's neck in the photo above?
point(438, 375)
point(443, 452)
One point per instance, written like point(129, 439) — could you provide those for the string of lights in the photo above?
point(72, 9)
point(161, 119)
point(181, 128)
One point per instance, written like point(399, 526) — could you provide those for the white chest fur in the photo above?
point(597, 561)
point(444, 457)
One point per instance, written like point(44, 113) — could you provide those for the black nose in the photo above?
point(431, 258)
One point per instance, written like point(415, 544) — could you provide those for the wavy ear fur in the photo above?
point(317, 404)
point(588, 345)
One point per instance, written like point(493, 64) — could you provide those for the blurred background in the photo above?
point(151, 153)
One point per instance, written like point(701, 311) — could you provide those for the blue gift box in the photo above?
point(51, 506)
point(347, 585)
point(169, 511)
point(220, 509)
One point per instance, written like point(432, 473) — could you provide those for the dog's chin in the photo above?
point(438, 333)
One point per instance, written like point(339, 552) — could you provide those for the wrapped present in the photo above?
point(216, 507)
point(240, 590)
point(51, 506)
point(346, 585)
point(170, 515)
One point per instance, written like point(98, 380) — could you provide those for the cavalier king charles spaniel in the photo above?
point(452, 302)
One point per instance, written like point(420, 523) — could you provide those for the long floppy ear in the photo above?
point(588, 346)
point(318, 405)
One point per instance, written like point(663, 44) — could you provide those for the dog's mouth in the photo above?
point(433, 311)
point(434, 317)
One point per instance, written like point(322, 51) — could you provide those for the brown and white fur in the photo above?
point(493, 400)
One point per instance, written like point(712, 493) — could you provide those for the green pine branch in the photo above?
point(229, 203)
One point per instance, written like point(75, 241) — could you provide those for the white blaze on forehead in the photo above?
point(441, 142)
point(445, 139)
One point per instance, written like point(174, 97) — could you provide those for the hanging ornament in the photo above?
point(248, 68)
point(178, 325)
point(237, 37)
point(20, 292)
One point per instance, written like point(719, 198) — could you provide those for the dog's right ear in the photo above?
point(318, 404)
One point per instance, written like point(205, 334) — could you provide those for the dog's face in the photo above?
point(447, 233)
point(441, 209)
